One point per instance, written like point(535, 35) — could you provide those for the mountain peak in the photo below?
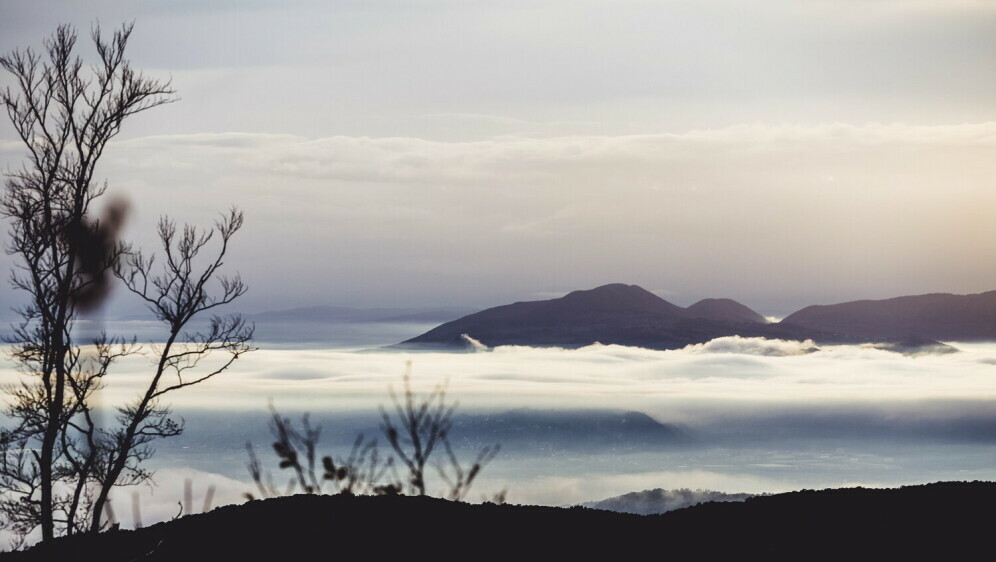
point(724, 310)
point(630, 315)
point(614, 313)
point(618, 298)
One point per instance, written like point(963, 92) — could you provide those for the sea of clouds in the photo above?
point(763, 415)
point(688, 385)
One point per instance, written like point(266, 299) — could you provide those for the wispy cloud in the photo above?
point(802, 214)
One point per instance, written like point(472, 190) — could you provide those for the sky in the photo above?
point(781, 153)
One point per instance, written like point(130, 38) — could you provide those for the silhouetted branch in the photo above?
point(461, 479)
point(65, 114)
point(175, 295)
point(420, 424)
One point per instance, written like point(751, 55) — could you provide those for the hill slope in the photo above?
point(629, 315)
point(939, 316)
point(940, 521)
point(610, 314)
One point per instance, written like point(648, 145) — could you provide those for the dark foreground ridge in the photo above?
point(942, 521)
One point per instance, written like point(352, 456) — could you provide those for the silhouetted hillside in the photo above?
point(944, 521)
point(628, 315)
point(551, 430)
point(611, 314)
point(938, 316)
point(724, 310)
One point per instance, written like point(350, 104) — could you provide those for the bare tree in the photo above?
point(175, 295)
point(358, 473)
point(65, 115)
point(460, 479)
point(77, 443)
point(57, 464)
point(420, 426)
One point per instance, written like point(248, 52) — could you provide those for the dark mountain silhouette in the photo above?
point(610, 314)
point(567, 430)
point(612, 299)
point(724, 310)
point(629, 315)
point(943, 521)
point(939, 316)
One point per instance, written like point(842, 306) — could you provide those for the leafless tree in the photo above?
point(176, 294)
point(460, 479)
point(77, 441)
point(360, 472)
point(65, 114)
point(57, 463)
point(420, 426)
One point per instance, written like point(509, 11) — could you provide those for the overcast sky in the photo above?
point(781, 153)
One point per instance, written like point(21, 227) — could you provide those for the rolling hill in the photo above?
point(610, 314)
point(939, 316)
point(942, 521)
point(630, 315)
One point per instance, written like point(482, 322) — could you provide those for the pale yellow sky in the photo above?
point(392, 153)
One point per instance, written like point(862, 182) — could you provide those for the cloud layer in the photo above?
point(472, 70)
point(481, 154)
point(764, 416)
point(696, 385)
point(777, 217)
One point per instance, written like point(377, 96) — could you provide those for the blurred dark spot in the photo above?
point(97, 246)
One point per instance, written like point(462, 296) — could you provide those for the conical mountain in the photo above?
point(724, 310)
point(607, 314)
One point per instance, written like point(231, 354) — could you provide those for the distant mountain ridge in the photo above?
point(630, 315)
point(940, 316)
point(610, 314)
point(562, 430)
point(347, 314)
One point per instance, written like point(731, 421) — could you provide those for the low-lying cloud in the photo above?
point(660, 500)
point(754, 346)
point(724, 377)
point(763, 416)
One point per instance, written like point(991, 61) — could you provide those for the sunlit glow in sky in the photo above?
point(467, 153)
